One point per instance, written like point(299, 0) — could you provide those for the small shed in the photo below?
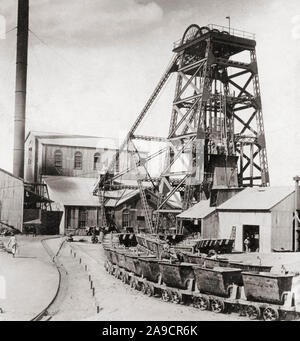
point(201, 218)
point(263, 214)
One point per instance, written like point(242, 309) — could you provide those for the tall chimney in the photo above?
point(20, 95)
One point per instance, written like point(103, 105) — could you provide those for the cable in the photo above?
point(51, 48)
point(12, 29)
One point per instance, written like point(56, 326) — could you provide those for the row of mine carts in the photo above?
point(207, 284)
point(202, 245)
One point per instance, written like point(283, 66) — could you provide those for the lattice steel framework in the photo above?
point(216, 118)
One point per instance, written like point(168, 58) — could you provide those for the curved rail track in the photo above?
point(47, 313)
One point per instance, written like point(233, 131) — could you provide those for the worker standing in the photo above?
point(247, 244)
point(13, 245)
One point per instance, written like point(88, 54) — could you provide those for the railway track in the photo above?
point(47, 313)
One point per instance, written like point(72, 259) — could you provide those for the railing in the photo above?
point(222, 29)
point(232, 31)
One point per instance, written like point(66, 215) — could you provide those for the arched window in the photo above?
point(78, 160)
point(58, 159)
point(125, 218)
point(97, 160)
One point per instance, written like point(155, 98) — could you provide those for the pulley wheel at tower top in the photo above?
point(191, 33)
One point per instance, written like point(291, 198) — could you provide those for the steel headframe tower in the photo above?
point(217, 112)
point(216, 122)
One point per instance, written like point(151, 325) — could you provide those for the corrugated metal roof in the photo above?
point(257, 198)
point(72, 191)
point(198, 211)
point(118, 201)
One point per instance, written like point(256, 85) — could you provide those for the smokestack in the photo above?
point(20, 95)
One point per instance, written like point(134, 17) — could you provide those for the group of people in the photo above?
point(169, 254)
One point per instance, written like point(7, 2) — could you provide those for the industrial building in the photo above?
point(66, 155)
point(67, 166)
point(265, 214)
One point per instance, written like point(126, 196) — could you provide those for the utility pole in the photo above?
point(20, 91)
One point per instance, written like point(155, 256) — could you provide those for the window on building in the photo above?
point(83, 217)
point(58, 159)
point(125, 218)
point(97, 160)
point(78, 160)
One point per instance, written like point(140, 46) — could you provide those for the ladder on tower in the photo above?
point(146, 207)
point(188, 191)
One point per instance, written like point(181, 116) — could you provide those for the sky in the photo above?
point(93, 64)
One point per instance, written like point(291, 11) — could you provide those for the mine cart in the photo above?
point(267, 287)
point(150, 268)
point(176, 275)
point(133, 263)
point(217, 287)
point(114, 256)
point(219, 245)
point(109, 254)
point(120, 254)
point(217, 281)
point(111, 263)
point(129, 261)
point(215, 262)
point(175, 282)
point(193, 258)
point(268, 294)
point(128, 267)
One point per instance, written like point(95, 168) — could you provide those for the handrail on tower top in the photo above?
point(222, 29)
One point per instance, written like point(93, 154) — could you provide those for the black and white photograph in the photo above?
point(149, 163)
